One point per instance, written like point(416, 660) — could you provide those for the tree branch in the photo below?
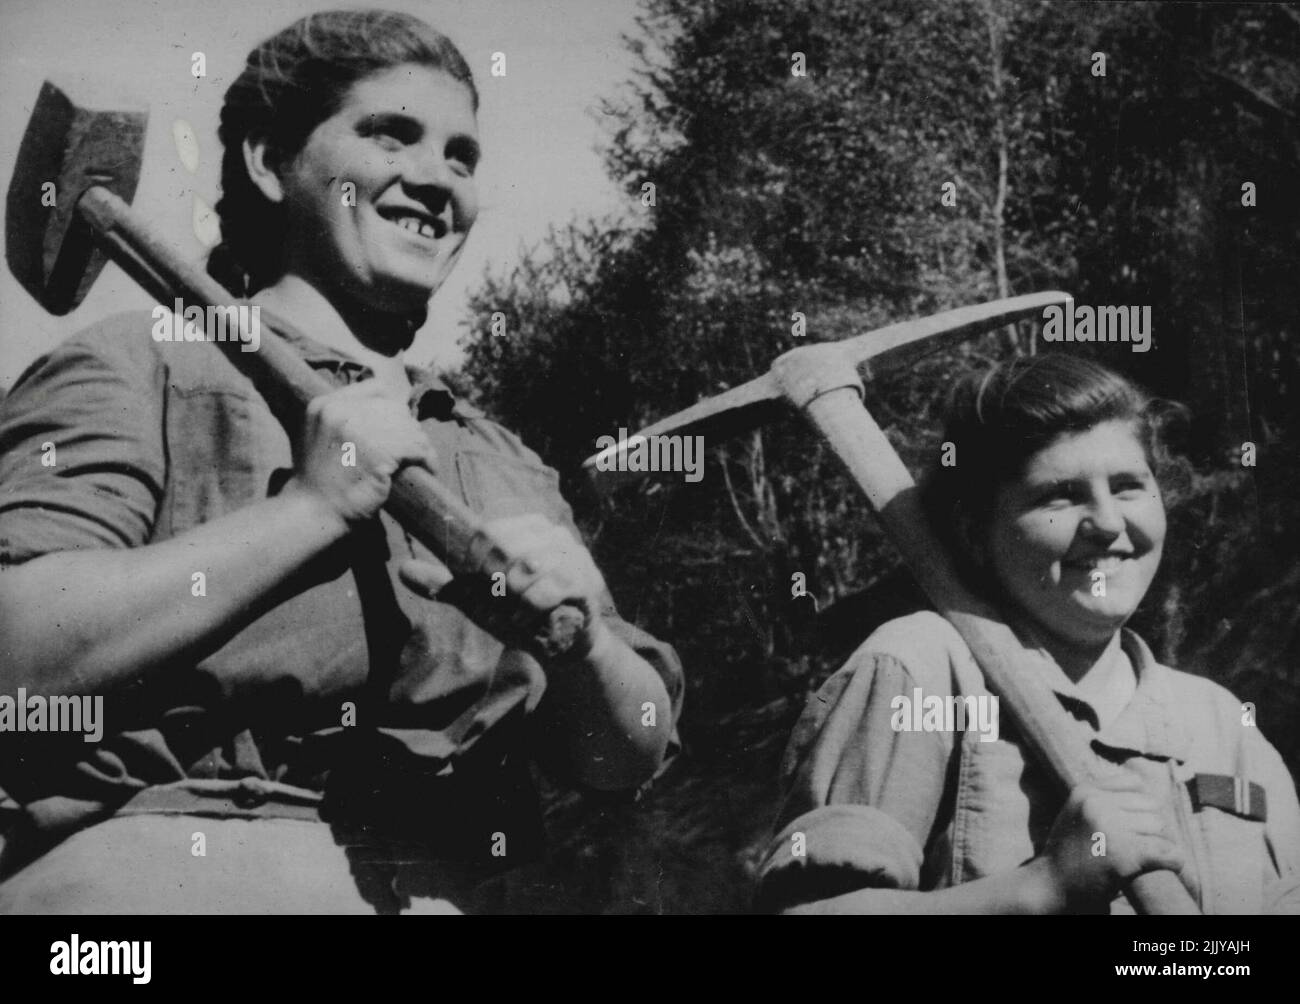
point(1261, 104)
point(735, 503)
point(996, 29)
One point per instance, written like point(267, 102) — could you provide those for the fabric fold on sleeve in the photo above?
point(838, 849)
point(663, 659)
point(82, 455)
point(863, 787)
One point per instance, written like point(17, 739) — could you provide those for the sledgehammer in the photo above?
point(93, 159)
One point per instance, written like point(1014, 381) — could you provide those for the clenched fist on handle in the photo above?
point(597, 693)
point(1078, 870)
point(353, 441)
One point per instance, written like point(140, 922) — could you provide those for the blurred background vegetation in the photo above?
point(777, 193)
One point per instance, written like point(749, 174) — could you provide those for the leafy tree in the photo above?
point(776, 193)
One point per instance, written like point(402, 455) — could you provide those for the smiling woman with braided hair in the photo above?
point(310, 725)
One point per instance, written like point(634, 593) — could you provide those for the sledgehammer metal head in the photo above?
point(799, 376)
point(50, 248)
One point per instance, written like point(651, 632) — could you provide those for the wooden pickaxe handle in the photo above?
point(829, 393)
point(427, 509)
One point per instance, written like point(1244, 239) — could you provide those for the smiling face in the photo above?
point(407, 138)
point(1085, 513)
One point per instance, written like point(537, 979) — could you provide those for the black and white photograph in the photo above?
point(651, 457)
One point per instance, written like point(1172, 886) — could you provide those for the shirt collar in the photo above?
point(430, 395)
point(1146, 725)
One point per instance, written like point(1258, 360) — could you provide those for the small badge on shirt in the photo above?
point(1231, 794)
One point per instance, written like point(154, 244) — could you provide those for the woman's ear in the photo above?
point(259, 161)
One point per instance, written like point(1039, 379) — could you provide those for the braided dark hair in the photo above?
point(291, 83)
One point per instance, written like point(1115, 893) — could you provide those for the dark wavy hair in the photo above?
point(999, 419)
point(292, 83)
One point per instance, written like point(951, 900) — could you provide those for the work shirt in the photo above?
point(872, 805)
point(151, 439)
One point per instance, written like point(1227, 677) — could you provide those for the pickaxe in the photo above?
point(93, 157)
point(823, 382)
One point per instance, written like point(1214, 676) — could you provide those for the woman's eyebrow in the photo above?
point(1051, 486)
point(1069, 482)
point(369, 123)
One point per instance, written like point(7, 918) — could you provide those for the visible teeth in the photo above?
point(416, 225)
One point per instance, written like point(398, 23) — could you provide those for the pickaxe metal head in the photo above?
point(50, 249)
point(800, 375)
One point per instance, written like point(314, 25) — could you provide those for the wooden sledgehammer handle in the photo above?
point(1010, 670)
point(427, 509)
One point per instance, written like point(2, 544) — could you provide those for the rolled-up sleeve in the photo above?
point(661, 656)
point(82, 461)
point(552, 752)
point(663, 659)
point(862, 797)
